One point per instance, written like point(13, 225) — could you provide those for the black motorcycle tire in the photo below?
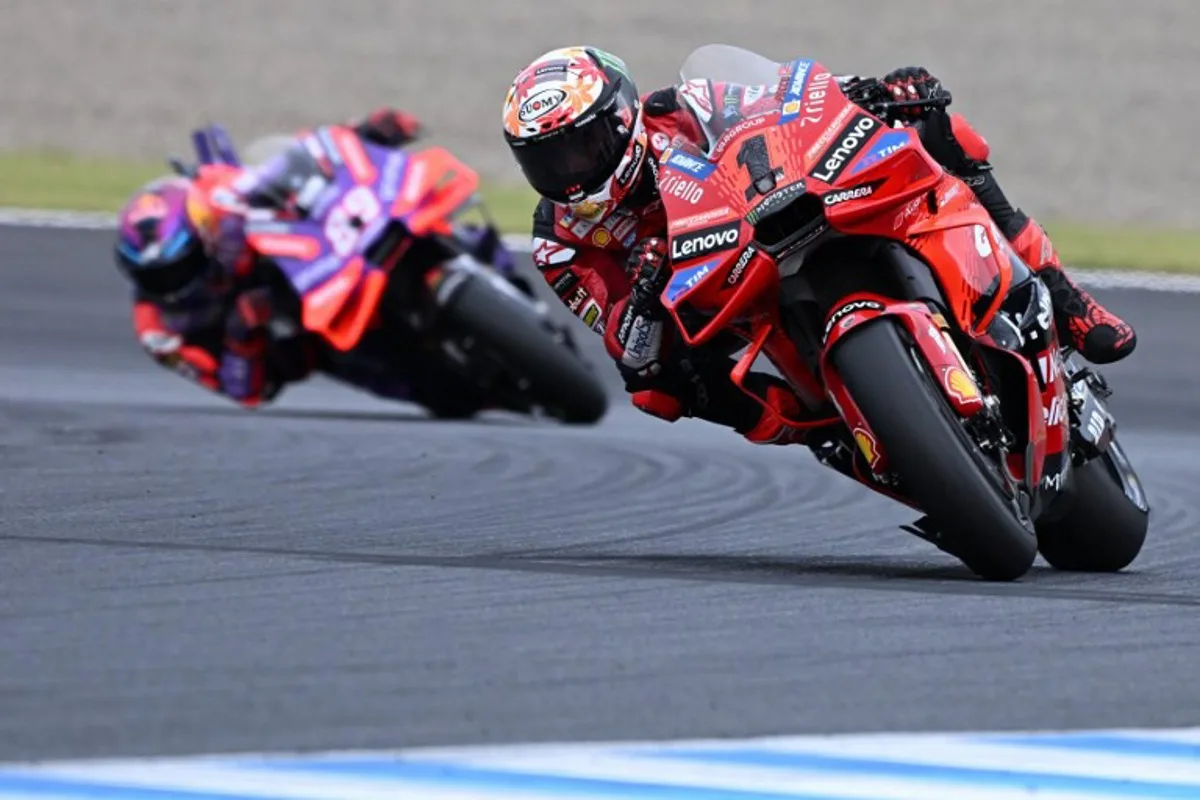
point(1102, 530)
point(939, 466)
point(560, 380)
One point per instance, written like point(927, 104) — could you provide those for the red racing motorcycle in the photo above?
point(833, 245)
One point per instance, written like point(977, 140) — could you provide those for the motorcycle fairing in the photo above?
point(354, 191)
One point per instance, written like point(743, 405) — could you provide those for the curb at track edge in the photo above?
point(1101, 279)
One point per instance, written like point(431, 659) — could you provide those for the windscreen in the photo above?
point(724, 63)
point(291, 176)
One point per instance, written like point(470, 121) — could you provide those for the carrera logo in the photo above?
point(834, 160)
point(684, 188)
point(540, 104)
point(704, 242)
point(848, 309)
point(739, 268)
point(857, 193)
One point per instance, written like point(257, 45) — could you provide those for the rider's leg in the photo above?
point(1098, 334)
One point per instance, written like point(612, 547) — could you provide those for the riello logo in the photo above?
point(703, 242)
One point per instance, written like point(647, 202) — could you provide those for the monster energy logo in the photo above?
point(775, 201)
point(609, 60)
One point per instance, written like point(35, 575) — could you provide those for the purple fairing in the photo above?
point(485, 244)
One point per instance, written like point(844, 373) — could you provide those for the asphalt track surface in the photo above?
point(180, 576)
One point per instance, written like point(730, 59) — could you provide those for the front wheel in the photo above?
point(558, 379)
point(940, 468)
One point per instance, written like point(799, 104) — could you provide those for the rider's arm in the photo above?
point(171, 350)
point(232, 364)
point(588, 280)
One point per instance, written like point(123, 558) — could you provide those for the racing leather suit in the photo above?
point(585, 263)
point(224, 344)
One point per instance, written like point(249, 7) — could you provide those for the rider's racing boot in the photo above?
point(1099, 335)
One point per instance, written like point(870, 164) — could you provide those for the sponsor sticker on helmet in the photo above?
point(541, 103)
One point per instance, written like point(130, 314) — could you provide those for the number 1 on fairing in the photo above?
point(753, 155)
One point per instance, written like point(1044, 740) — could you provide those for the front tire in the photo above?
point(559, 379)
point(940, 468)
point(1103, 530)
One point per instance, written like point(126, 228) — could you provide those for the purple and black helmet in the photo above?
point(158, 247)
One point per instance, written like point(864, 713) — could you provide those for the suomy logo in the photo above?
point(703, 242)
point(541, 103)
point(834, 160)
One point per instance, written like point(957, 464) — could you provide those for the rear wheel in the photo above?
point(558, 379)
point(966, 495)
point(1105, 525)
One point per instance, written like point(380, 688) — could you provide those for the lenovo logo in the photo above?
point(705, 241)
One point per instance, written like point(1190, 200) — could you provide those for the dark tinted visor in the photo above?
point(575, 160)
point(167, 279)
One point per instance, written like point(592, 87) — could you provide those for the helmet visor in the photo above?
point(577, 160)
point(166, 279)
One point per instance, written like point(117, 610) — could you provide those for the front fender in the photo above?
point(938, 350)
point(927, 330)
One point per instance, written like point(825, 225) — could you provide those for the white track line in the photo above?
point(1100, 279)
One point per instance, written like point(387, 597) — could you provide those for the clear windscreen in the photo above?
point(290, 176)
point(724, 63)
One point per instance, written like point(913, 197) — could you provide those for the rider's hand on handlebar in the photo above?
point(641, 327)
point(910, 85)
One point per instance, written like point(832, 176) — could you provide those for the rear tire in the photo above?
point(939, 466)
point(560, 380)
point(1103, 530)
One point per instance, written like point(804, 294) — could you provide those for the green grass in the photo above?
point(58, 180)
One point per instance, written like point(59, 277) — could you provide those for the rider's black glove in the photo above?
point(912, 83)
point(641, 326)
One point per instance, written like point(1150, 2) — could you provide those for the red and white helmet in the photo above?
point(574, 123)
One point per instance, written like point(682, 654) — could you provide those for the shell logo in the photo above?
point(961, 386)
point(866, 443)
point(601, 237)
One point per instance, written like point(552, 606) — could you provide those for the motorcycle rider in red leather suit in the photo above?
point(203, 309)
point(589, 144)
